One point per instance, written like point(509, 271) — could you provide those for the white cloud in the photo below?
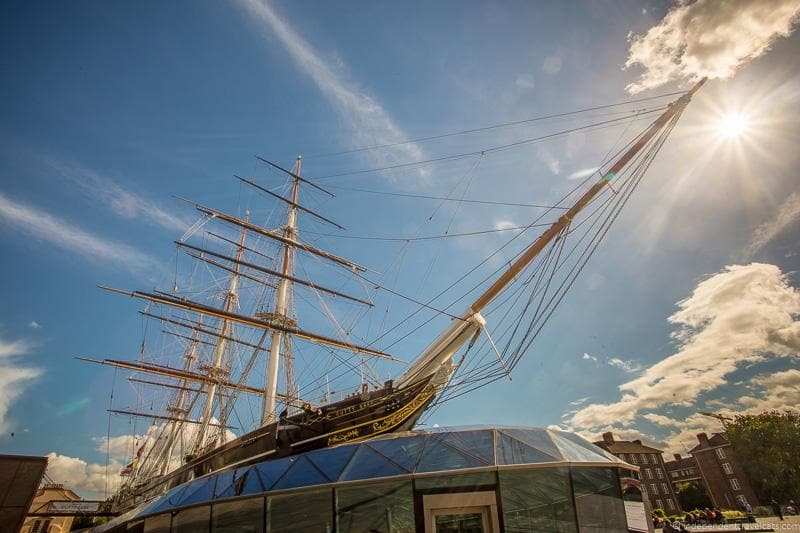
point(34, 325)
point(788, 213)
point(525, 81)
point(741, 315)
point(547, 157)
point(124, 203)
point(626, 366)
point(552, 63)
point(504, 224)
point(86, 479)
point(708, 38)
point(14, 378)
point(587, 357)
point(370, 122)
point(58, 232)
point(582, 173)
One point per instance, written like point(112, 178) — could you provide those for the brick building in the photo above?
point(653, 475)
point(683, 470)
point(723, 477)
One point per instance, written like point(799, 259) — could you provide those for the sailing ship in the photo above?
point(191, 438)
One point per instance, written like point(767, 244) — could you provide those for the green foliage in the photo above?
point(659, 513)
point(692, 495)
point(768, 448)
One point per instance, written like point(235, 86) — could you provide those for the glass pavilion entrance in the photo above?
point(457, 480)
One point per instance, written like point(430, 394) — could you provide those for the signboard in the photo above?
point(75, 506)
point(636, 516)
point(635, 511)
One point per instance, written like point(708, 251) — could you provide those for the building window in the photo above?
point(648, 473)
point(674, 474)
point(735, 484)
point(741, 499)
point(654, 488)
point(643, 457)
point(633, 458)
point(659, 473)
point(727, 468)
point(622, 456)
point(670, 505)
point(659, 504)
point(690, 471)
point(720, 453)
point(644, 491)
point(665, 488)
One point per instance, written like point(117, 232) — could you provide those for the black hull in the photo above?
point(353, 419)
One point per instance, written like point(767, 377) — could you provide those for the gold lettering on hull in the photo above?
point(382, 425)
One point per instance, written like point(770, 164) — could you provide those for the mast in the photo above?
point(437, 359)
point(282, 298)
point(216, 370)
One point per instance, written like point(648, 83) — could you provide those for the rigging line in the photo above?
point(497, 251)
point(572, 276)
point(492, 149)
point(492, 127)
point(444, 198)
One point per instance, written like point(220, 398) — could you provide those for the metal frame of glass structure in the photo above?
point(546, 480)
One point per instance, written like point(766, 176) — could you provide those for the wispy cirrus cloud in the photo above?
point(371, 123)
point(788, 213)
point(123, 202)
point(708, 38)
point(43, 226)
point(15, 376)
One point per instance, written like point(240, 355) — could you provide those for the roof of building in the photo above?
point(717, 439)
point(412, 453)
point(625, 446)
point(680, 464)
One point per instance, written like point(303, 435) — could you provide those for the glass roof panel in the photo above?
point(438, 456)
point(252, 482)
point(224, 482)
point(332, 461)
point(404, 451)
point(535, 438)
point(367, 463)
point(479, 444)
point(511, 451)
point(302, 473)
point(580, 441)
point(170, 499)
point(575, 452)
point(199, 490)
point(271, 471)
point(233, 485)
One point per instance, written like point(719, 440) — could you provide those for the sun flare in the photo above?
point(733, 125)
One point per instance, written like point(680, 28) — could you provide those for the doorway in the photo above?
point(462, 512)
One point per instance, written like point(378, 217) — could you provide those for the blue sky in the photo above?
point(108, 110)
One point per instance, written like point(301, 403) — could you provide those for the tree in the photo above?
point(692, 495)
point(768, 448)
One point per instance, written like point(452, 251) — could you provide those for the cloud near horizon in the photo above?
point(740, 316)
point(708, 38)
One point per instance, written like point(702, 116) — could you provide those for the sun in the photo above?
point(733, 125)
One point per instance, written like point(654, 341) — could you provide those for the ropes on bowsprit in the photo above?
point(518, 315)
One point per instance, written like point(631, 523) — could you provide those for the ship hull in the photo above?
point(356, 418)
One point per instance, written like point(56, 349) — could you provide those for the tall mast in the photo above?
point(282, 298)
point(436, 360)
point(216, 371)
point(178, 409)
